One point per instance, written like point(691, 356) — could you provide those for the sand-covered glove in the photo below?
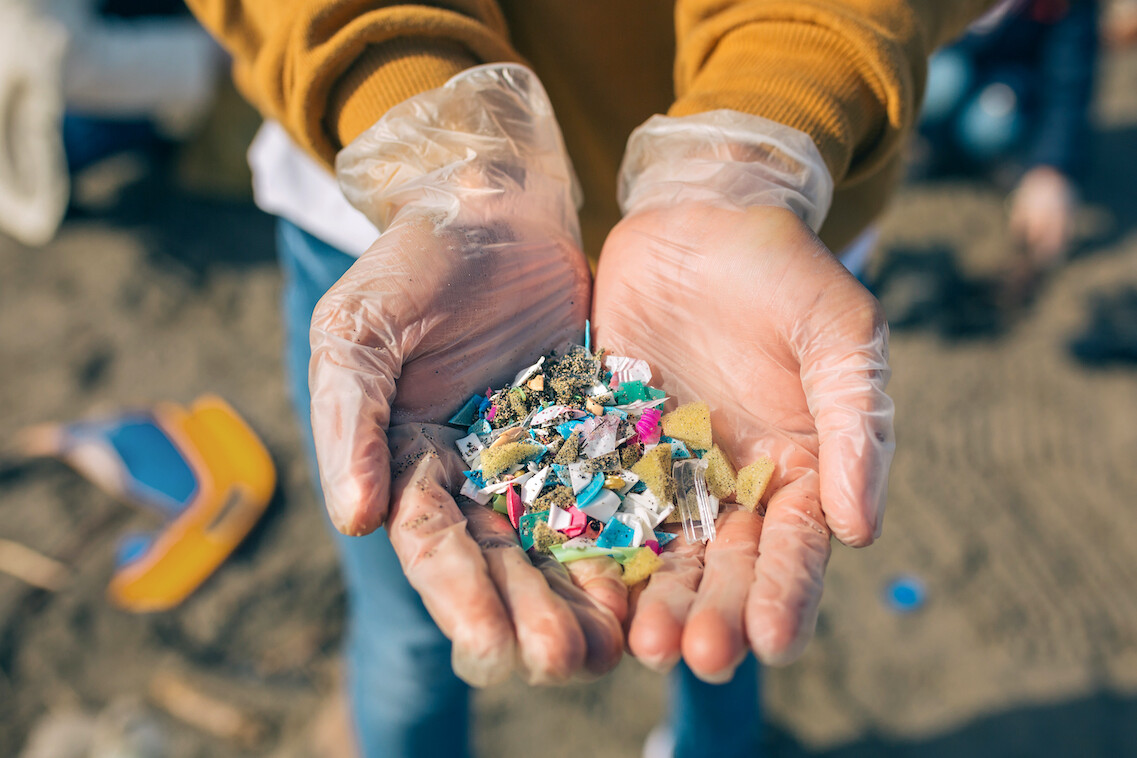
point(716, 278)
point(478, 270)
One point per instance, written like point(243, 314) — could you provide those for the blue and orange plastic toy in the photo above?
point(202, 469)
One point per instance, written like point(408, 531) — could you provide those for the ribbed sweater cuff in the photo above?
point(385, 75)
point(801, 75)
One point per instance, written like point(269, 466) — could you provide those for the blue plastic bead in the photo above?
point(905, 594)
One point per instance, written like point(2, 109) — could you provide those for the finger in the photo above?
point(714, 638)
point(552, 647)
point(604, 637)
point(781, 608)
point(845, 390)
point(601, 579)
point(352, 385)
point(659, 611)
point(446, 567)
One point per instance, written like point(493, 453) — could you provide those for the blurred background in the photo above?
point(997, 616)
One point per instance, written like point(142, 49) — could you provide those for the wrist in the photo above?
point(725, 159)
point(484, 145)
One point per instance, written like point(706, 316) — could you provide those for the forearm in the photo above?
point(327, 69)
point(1068, 62)
point(850, 73)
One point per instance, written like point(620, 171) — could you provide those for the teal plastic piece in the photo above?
point(566, 428)
point(679, 450)
point(480, 427)
point(664, 537)
point(525, 526)
point(562, 473)
point(590, 491)
point(468, 413)
point(630, 392)
point(476, 477)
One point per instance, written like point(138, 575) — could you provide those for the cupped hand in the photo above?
point(425, 318)
point(749, 312)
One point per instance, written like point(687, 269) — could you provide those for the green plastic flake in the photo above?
point(570, 554)
point(500, 504)
point(630, 392)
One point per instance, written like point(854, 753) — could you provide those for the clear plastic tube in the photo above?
point(697, 507)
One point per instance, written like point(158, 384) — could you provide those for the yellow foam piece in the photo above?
point(721, 477)
point(654, 470)
point(752, 482)
point(691, 424)
point(544, 537)
point(640, 566)
point(495, 460)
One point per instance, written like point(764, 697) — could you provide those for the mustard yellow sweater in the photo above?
point(849, 73)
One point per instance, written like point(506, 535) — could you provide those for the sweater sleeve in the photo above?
point(326, 69)
point(850, 73)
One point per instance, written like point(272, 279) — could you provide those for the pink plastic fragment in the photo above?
point(514, 506)
point(491, 413)
point(647, 428)
point(654, 545)
point(578, 524)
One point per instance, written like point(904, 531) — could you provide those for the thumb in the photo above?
point(352, 381)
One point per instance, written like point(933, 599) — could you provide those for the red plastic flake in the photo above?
point(514, 505)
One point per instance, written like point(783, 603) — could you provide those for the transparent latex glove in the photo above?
point(478, 271)
point(733, 300)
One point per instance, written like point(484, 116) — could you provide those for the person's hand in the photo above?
point(478, 271)
point(1042, 216)
point(739, 305)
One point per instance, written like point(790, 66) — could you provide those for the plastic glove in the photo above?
point(733, 300)
point(478, 270)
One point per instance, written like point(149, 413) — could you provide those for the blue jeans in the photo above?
point(405, 698)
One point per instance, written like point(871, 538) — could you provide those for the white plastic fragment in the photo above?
point(579, 477)
point(648, 507)
point(559, 518)
point(598, 436)
point(470, 448)
point(527, 373)
point(532, 488)
point(626, 369)
point(470, 490)
point(550, 414)
point(630, 480)
point(598, 389)
point(638, 406)
point(499, 487)
point(603, 507)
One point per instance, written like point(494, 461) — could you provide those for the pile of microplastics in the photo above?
point(579, 456)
